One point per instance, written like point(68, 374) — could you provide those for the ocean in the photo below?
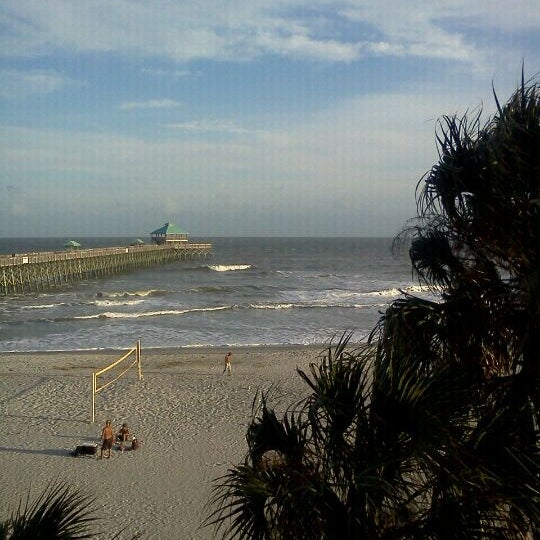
point(251, 291)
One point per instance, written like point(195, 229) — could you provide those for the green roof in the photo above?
point(72, 243)
point(169, 228)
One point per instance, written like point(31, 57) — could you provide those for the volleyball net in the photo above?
point(103, 378)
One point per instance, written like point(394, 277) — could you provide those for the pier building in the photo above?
point(168, 234)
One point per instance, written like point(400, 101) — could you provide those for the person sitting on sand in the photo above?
point(227, 361)
point(107, 437)
point(123, 435)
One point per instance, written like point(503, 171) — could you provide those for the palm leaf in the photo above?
point(58, 513)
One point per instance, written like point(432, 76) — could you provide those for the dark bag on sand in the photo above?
point(135, 444)
point(85, 450)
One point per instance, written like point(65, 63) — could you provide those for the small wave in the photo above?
point(418, 288)
point(43, 306)
point(384, 292)
point(273, 306)
point(303, 274)
point(229, 267)
point(211, 289)
point(125, 294)
point(397, 292)
point(117, 302)
point(312, 306)
point(137, 315)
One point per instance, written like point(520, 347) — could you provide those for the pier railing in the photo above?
point(33, 272)
point(64, 255)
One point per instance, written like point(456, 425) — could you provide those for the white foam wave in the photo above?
point(229, 267)
point(308, 274)
point(311, 306)
point(418, 288)
point(397, 292)
point(385, 292)
point(137, 315)
point(273, 306)
point(43, 306)
point(118, 302)
point(124, 294)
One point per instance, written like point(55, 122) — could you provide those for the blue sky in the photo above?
point(278, 117)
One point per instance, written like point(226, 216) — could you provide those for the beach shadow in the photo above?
point(41, 381)
point(46, 418)
point(44, 452)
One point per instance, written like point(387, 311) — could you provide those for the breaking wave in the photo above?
point(126, 294)
point(229, 267)
point(139, 314)
point(113, 303)
point(286, 305)
point(43, 306)
point(412, 289)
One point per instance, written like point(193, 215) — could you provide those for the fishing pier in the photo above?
point(35, 272)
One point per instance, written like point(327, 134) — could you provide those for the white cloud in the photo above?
point(17, 83)
point(359, 159)
point(151, 104)
point(174, 73)
point(208, 126)
point(184, 31)
point(302, 45)
point(413, 29)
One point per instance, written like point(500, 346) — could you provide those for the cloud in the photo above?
point(413, 29)
point(208, 126)
point(174, 73)
point(151, 104)
point(191, 30)
point(302, 45)
point(355, 163)
point(18, 83)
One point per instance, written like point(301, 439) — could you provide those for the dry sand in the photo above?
point(190, 419)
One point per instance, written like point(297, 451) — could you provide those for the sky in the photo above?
point(235, 118)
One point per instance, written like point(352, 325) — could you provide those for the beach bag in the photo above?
point(85, 450)
point(135, 444)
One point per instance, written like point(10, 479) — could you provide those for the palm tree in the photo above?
point(476, 237)
point(58, 513)
point(432, 431)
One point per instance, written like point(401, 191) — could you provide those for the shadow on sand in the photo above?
point(47, 418)
point(43, 452)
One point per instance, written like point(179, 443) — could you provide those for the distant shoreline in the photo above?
point(193, 350)
point(187, 350)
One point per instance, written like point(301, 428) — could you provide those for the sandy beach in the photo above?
point(189, 417)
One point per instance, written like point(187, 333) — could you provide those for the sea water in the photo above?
point(251, 291)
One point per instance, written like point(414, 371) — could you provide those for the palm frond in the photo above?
point(58, 512)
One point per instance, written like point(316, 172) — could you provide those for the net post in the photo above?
point(93, 397)
point(138, 347)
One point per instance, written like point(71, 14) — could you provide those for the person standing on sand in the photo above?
point(227, 361)
point(107, 437)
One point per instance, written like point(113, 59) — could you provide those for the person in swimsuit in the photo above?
point(107, 437)
point(227, 361)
